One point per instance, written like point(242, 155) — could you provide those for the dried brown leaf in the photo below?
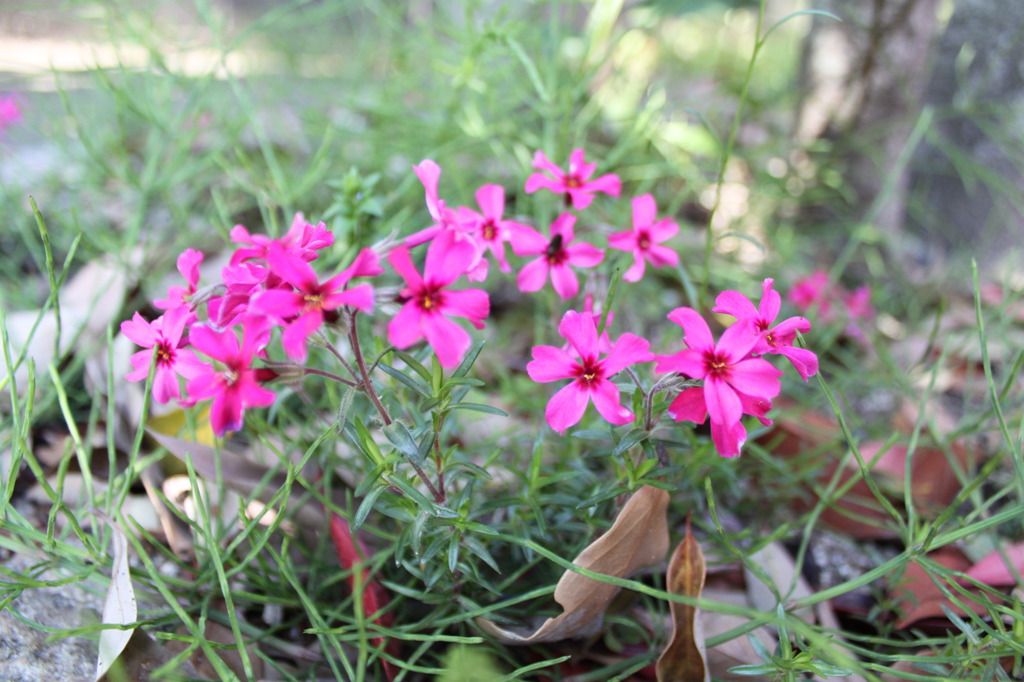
point(784, 576)
point(637, 539)
point(120, 607)
point(683, 660)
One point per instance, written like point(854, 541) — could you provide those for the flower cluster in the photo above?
point(217, 338)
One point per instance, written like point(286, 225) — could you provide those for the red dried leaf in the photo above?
point(683, 660)
point(352, 555)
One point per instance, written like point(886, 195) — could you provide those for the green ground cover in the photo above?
point(333, 537)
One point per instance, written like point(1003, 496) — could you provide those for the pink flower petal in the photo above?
point(756, 377)
point(448, 257)
point(728, 438)
point(608, 184)
point(580, 331)
point(583, 255)
point(636, 271)
point(491, 200)
point(696, 333)
point(664, 229)
point(550, 364)
point(404, 328)
point(401, 261)
point(688, 362)
point(473, 304)
point(645, 211)
point(449, 341)
point(294, 337)
point(804, 361)
point(722, 401)
point(566, 407)
point(563, 227)
point(628, 350)
point(689, 406)
point(607, 401)
point(660, 256)
point(564, 281)
point(533, 275)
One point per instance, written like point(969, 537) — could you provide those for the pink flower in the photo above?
point(575, 183)
point(162, 337)
point(488, 226)
point(235, 387)
point(445, 218)
point(10, 112)
point(814, 291)
point(645, 237)
point(555, 256)
point(188, 265)
point(429, 301)
point(589, 372)
point(734, 383)
point(303, 239)
point(301, 311)
point(776, 340)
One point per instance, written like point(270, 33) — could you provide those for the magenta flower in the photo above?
point(778, 339)
point(645, 238)
point(162, 337)
point(575, 183)
point(188, 265)
point(814, 291)
point(556, 255)
point(429, 174)
point(488, 226)
point(234, 387)
point(301, 311)
point(429, 301)
point(303, 239)
point(10, 112)
point(734, 383)
point(590, 373)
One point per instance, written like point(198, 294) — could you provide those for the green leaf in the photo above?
point(467, 362)
point(829, 670)
point(479, 407)
point(630, 439)
point(590, 434)
point(399, 435)
point(406, 380)
point(366, 506)
point(414, 365)
point(754, 670)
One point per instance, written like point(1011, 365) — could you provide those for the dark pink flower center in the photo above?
point(430, 299)
point(164, 353)
point(555, 254)
point(312, 302)
point(643, 240)
point(717, 364)
point(489, 230)
point(588, 371)
point(573, 180)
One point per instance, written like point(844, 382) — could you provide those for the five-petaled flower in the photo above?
point(489, 226)
point(162, 338)
point(589, 372)
point(734, 382)
point(301, 310)
point(574, 183)
point(234, 386)
point(556, 255)
point(778, 339)
point(644, 240)
point(429, 301)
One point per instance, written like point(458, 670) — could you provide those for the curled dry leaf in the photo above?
point(637, 539)
point(120, 607)
point(683, 660)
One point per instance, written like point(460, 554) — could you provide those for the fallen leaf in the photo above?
point(89, 302)
point(993, 569)
point(781, 571)
point(735, 652)
point(352, 555)
point(917, 598)
point(683, 660)
point(120, 607)
point(637, 539)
